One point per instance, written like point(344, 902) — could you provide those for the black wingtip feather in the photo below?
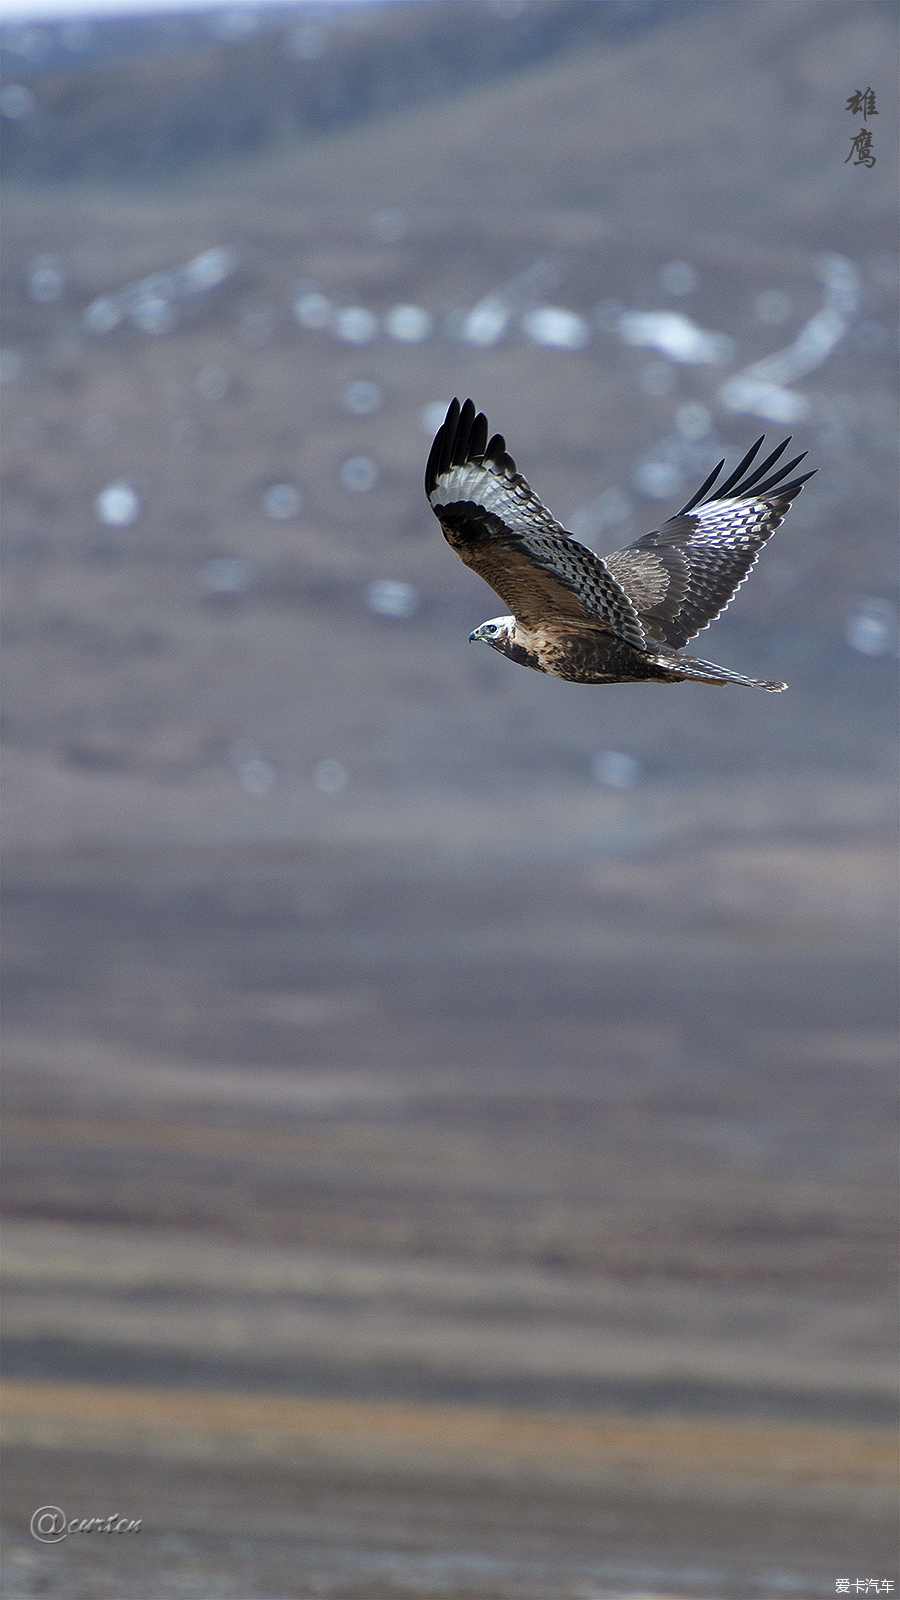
point(789, 490)
point(439, 454)
point(461, 437)
point(737, 486)
point(739, 470)
point(783, 472)
point(460, 445)
point(695, 500)
point(478, 436)
point(770, 461)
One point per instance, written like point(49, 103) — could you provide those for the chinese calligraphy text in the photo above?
point(862, 103)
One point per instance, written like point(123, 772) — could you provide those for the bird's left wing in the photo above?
point(683, 575)
point(499, 528)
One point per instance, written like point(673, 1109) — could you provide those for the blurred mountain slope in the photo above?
point(133, 96)
point(142, 674)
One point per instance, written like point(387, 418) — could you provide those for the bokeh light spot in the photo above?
point(355, 325)
point(362, 397)
point(409, 324)
point(118, 505)
point(282, 502)
point(615, 770)
point(391, 597)
point(359, 474)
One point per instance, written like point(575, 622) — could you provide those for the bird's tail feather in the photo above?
point(707, 672)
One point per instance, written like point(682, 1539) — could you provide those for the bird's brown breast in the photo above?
point(583, 655)
point(573, 654)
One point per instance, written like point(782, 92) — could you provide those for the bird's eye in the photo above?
point(491, 628)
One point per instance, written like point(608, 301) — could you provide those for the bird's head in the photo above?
point(498, 633)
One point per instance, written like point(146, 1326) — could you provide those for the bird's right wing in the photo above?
point(683, 575)
point(499, 528)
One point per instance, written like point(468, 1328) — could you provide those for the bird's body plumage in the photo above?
point(576, 616)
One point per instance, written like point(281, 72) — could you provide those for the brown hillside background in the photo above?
point(450, 1114)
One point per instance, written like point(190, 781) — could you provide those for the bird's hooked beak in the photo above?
point(473, 635)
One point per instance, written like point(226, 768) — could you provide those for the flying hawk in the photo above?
point(623, 619)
